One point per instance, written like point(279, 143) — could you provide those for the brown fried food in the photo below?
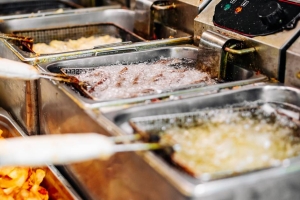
point(21, 183)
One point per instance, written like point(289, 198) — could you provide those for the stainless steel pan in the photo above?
point(237, 75)
point(260, 183)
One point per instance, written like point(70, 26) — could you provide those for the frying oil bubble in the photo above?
point(236, 139)
point(134, 80)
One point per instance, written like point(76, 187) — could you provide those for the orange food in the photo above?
point(21, 183)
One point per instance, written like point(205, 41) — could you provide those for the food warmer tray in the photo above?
point(238, 75)
point(54, 182)
point(280, 182)
point(17, 8)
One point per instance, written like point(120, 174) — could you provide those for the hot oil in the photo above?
point(235, 141)
point(139, 79)
point(229, 141)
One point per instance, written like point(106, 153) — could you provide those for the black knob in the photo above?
point(272, 14)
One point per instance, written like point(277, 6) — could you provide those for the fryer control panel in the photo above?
point(256, 17)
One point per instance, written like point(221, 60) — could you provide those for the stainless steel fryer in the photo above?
point(236, 75)
point(27, 112)
point(153, 129)
point(54, 182)
point(17, 7)
point(274, 183)
point(271, 48)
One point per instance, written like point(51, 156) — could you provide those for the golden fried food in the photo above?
point(21, 183)
point(56, 46)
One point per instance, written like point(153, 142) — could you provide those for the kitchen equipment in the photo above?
point(238, 187)
point(29, 7)
point(57, 186)
point(235, 75)
point(67, 33)
point(256, 18)
point(26, 113)
point(233, 19)
point(27, 90)
point(105, 14)
point(217, 143)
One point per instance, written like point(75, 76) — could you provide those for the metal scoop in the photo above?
point(19, 70)
point(63, 149)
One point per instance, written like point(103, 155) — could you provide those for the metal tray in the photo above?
point(103, 14)
point(54, 182)
point(17, 7)
point(280, 182)
point(238, 75)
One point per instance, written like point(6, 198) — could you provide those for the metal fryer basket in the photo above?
point(73, 67)
point(152, 127)
point(76, 32)
point(34, 6)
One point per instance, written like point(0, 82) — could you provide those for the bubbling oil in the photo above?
point(134, 80)
point(235, 140)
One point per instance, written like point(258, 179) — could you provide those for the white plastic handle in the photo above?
point(18, 70)
point(54, 149)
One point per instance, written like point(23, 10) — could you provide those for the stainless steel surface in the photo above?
point(26, 111)
point(123, 172)
point(19, 98)
point(54, 182)
point(241, 76)
point(292, 72)
point(106, 14)
point(269, 48)
point(203, 5)
point(213, 58)
point(47, 58)
point(22, 98)
point(28, 8)
point(283, 181)
point(179, 15)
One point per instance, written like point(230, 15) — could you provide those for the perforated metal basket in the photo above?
point(76, 32)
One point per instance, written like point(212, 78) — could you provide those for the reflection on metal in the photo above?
point(105, 14)
point(203, 5)
point(292, 70)
point(163, 6)
point(176, 14)
point(30, 104)
point(240, 51)
point(212, 57)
